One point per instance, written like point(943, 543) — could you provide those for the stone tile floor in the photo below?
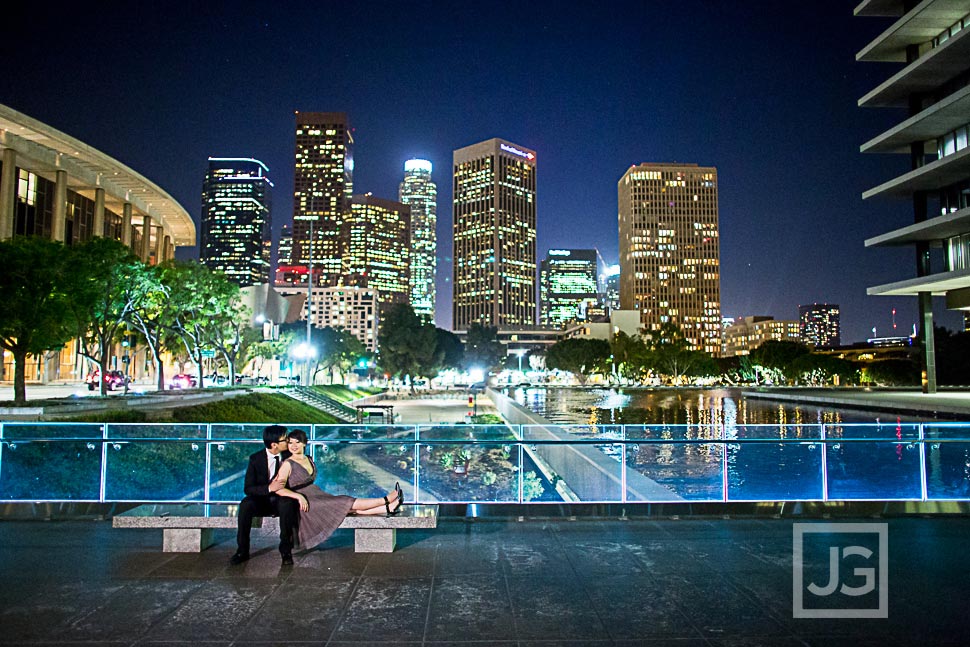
point(690, 582)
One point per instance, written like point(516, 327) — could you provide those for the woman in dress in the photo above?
point(322, 513)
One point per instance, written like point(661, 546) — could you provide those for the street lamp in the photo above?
point(304, 352)
point(520, 352)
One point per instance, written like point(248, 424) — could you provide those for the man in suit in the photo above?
point(261, 500)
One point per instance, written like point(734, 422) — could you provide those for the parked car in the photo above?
point(112, 380)
point(183, 381)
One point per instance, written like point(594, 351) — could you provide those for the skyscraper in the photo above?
point(236, 227)
point(669, 253)
point(420, 193)
point(322, 190)
point(494, 220)
point(929, 41)
point(378, 243)
point(284, 253)
point(819, 324)
point(567, 285)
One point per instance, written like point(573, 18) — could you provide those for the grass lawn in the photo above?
point(342, 393)
point(252, 408)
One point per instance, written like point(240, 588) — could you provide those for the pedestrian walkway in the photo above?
point(418, 411)
point(560, 583)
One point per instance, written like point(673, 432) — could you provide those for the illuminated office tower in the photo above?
point(236, 227)
point(819, 324)
point(420, 193)
point(494, 220)
point(322, 190)
point(567, 285)
point(378, 244)
point(284, 252)
point(669, 254)
point(610, 286)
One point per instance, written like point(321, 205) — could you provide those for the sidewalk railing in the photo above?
point(74, 462)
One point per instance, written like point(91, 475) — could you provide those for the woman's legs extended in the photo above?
point(375, 505)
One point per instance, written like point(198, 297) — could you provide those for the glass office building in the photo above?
point(236, 221)
point(669, 250)
point(420, 193)
point(494, 220)
point(567, 285)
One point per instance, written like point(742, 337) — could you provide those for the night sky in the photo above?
point(764, 91)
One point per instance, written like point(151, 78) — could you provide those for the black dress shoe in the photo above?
point(238, 559)
point(287, 560)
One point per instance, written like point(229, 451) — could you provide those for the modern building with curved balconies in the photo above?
point(55, 186)
point(932, 40)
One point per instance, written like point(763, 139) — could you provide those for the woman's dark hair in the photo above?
point(271, 434)
point(298, 434)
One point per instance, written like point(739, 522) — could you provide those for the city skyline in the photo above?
point(593, 92)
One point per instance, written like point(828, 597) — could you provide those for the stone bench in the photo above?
point(188, 527)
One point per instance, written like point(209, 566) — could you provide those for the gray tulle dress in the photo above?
point(326, 510)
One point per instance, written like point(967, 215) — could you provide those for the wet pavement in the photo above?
point(535, 582)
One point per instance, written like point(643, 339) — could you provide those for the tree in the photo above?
point(631, 355)
point(671, 355)
point(152, 313)
point(451, 353)
point(35, 316)
point(817, 369)
point(407, 345)
point(101, 301)
point(581, 357)
point(483, 350)
point(204, 305)
point(779, 357)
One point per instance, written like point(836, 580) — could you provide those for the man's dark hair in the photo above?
point(272, 434)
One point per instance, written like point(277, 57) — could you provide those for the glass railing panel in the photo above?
point(947, 431)
point(873, 470)
point(228, 461)
point(890, 430)
point(947, 469)
point(160, 470)
point(774, 471)
point(42, 430)
point(55, 470)
point(473, 473)
point(774, 432)
point(160, 431)
point(223, 431)
point(662, 471)
point(363, 432)
point(363, 469)
point(463, 432)
point(578, 471)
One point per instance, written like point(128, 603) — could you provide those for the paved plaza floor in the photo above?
point(474, 582)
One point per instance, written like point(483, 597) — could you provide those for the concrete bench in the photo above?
point(188, 527)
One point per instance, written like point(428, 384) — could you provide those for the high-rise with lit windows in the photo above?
point(322, 190)
point(567, 285)
point(819, 325)
point(494, 220)
point(377, 250)
point(420, 193)
point(669, 250)
point(236, 227)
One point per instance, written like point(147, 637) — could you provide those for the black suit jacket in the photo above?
point(257, 473)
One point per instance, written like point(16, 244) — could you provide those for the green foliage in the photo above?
point(408, 346)
point(779, 357)
point(670, 355)
point(254, 408)
point(342, 393)
point(581, 357)
point(892, 372)
point(531, 486)
point(817, 369)
point(450, 353)
point(483, 350)
point(36, 297)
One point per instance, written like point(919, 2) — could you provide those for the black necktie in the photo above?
point(276, 470)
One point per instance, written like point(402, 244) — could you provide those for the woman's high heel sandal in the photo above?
point(399, 501)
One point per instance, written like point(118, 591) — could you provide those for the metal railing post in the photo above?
point(104, 462)
point(208, 462)
point(924, 488)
